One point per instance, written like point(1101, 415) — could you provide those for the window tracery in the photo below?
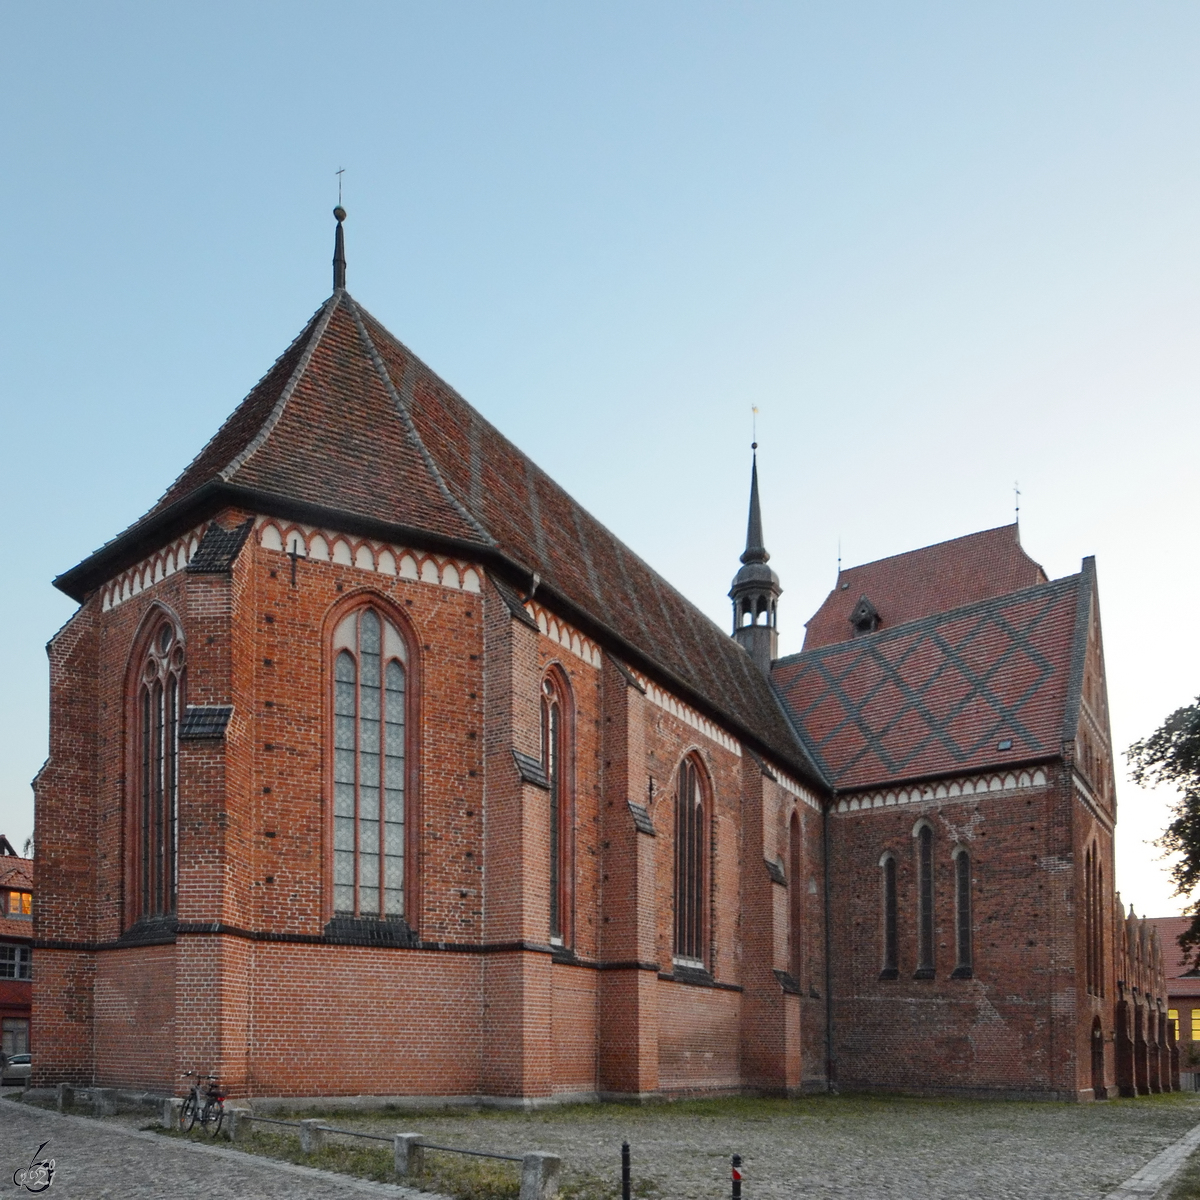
point(690, 865)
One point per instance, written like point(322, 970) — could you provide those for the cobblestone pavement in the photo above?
point(104, 1160)
point(850, 1148)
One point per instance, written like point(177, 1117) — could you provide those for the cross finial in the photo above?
point(339, 173)
point(1017, 501)
point(754, 427)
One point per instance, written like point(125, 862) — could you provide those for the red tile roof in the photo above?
point(16, 874)
point(922, 582)
point(1175, 965)
point(349, 421)
point(938, 695)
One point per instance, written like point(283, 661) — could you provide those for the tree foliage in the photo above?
point(1171, 756)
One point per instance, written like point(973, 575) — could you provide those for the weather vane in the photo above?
point(1017, 500)
point(754, 426)
point(340, 172)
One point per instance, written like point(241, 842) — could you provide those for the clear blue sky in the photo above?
point(942, 247)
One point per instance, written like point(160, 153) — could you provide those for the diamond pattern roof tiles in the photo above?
point(938, 694)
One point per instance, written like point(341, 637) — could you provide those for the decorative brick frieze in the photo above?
point(945, 790)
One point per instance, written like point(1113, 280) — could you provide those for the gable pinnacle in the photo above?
point(339, 252)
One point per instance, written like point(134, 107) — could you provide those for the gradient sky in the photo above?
point(943, 247)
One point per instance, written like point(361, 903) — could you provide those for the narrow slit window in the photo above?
point(925, 967)
point(891, 943)
point(962, 914)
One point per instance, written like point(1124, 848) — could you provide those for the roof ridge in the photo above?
point(931, 618)
point(406, 416)
point(962, 537)
point(318, 325)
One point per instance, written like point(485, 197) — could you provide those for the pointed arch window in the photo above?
point(690, 866)
point(795, 901)
point(964, 967)
point(891, 944)
point(157, 708)
point(556, 762)
point(371, 697)
point(925, 929)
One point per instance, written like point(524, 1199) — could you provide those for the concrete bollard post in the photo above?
point(409, 1154)
point(312, 1136)
point(104, 1102)
point(237, 1124)
point(171, 1110)
point(65, 1097)
point(539, 1176)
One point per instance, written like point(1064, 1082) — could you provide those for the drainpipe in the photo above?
point(830, 1063)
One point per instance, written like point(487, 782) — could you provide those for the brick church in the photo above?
point(378, 766)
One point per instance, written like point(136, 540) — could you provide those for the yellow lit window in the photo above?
point(1196, 1024)
point(20, 904)
point(1173, 1017)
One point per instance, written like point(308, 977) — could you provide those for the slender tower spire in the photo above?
point(339, 252)
point(755, 592)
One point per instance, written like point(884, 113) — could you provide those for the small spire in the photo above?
point(339, 252)
point(755, 550)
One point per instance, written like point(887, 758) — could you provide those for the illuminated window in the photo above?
point(369, 766)
point(1173, 1017)
point(1196, 1024)
point(20, 904)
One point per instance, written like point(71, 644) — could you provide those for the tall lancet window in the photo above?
point(925, 925)
point(690, 865)
point(159, 703)
point(556, 755)
point(370, 707)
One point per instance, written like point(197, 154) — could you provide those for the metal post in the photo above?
point(625, 1182)
point(737, 1177)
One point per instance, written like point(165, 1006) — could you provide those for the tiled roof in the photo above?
point(348, 420)
point(923, 582)
point(16, 873)
point(940, 694)
point(1180, 981)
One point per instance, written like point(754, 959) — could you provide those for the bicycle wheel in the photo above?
point(187, 1115)
point(214, 1113)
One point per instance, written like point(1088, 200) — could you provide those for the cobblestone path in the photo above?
point(104, 1160)
point(847, 1148)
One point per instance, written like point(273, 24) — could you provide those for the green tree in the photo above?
point(1171, 755)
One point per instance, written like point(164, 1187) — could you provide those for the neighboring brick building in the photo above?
point(16, 948)
point(1183, 992)
point(379, 766)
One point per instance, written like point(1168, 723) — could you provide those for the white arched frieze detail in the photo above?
point(271, 538)
point(957, 788)
point(147, 574)
point(450, 576)
point(386, 563)
point(341, 554)
point(429, 571)
point(689, 716)
point(318, 548)
point(556, 629)
point(470, 581)
point(408, 568)
point(364, 560)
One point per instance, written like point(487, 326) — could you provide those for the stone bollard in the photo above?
point(312, 1136)
point(171, 1109)
point(65, 1097)
point(409, 1154)
point(539, 1176)
point(104, 1102)
point(237, 1124)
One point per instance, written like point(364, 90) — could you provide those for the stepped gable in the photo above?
point(922, 582)
point(940, 695)
point(352, 424)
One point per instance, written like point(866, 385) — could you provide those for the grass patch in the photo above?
point(1186, 1185)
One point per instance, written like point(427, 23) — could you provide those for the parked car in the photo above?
point(20, 1067)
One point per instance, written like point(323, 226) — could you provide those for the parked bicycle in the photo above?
point(204, 1102)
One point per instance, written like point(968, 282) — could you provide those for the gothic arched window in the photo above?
point(795, 901)
point(962, 915)
point(370, 763)
point(891, 943)
point(157, 708)
point(924, 902)
point(690, 865)
point(556, 763)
